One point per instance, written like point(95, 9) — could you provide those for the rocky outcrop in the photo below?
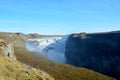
point(99, 52)
point(8, 49)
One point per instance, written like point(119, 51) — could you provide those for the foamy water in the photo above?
point(52, 47)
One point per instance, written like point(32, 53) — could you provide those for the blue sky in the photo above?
point(59, 16)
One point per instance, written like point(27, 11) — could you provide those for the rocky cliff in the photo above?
point(99, 52)
point(8, 49)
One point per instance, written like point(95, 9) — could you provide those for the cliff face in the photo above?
point(99, 52)
point(7, 49)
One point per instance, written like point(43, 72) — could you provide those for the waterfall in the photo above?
point(52, 47)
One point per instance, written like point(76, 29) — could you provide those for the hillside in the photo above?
point(56, 70)
point(11, 69)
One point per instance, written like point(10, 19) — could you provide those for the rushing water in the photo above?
point(52, 47)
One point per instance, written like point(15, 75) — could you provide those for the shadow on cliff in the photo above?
point(99, 52)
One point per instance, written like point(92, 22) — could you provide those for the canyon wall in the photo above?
point(99, 52)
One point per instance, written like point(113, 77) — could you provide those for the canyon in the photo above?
point(44, 56)
point(97, 51)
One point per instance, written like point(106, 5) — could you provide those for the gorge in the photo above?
point(97, 51)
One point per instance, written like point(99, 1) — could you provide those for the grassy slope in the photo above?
point(13, 70)
point(57, 70)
